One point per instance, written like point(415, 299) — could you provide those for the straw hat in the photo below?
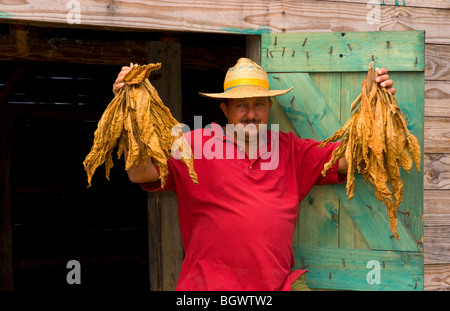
point(245, 80)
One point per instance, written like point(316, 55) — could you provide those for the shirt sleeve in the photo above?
point(178, 172)
point(310, 161)
point(332, 176)
point(156, 185)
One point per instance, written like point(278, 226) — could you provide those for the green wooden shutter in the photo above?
point(348, 244)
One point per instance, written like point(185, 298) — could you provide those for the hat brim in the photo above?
point(246, 91)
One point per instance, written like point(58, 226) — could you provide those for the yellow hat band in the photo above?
point(245, 81)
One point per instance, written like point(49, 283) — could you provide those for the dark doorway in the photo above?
point(55, 217)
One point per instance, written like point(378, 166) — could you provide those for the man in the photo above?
point(237, 224)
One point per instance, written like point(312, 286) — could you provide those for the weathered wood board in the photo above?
point(243, 17)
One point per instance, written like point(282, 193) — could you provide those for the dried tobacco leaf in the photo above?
point(138, 118)
point(376, 143)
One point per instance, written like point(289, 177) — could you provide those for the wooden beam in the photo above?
point(154, 240)
point(253, 48)
point(21, 38)
point(166, 252)
point(167, 80)
point(35, 45)
point(343, 51)
point(6, 265)
point(242, 17)
point(91, 47)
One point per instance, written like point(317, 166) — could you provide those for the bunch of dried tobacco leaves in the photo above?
point(137, 117)
point(377, 143)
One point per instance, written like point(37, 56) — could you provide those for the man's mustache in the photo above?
point(248, 121)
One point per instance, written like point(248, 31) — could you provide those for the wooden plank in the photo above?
point(312, 118)
point(437, 135)
point(437, 74)
point(437, 245)
point(319, 213)
point(352, 86)
point(167, 80)
point(348, 269)
point(253, 48)
point(165, 244)
point(436, 211)
point(278, 116)
point(318, 218)
point(343, 51)
point(154, 241)
point(410, 98)
point(437, 94)
point(243, 17)
point(171, 244)
point(437, 58)
point(329, 84)
point(437, 171)
point(437, 277)
point(300, 105)
point(349, 235)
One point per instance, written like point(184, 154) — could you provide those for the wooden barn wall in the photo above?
point(258, 16)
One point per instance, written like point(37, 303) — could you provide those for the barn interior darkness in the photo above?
point(55, 105)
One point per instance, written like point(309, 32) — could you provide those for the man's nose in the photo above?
point(251, 113)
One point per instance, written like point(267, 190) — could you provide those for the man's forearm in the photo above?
point(343, 166)
point(143, 173)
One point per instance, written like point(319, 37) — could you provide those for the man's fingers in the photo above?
point(387, 83)
point(382, 71)
point(382, 78)
point(118, 84)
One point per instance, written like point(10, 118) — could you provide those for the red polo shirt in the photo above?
point(237, 224)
